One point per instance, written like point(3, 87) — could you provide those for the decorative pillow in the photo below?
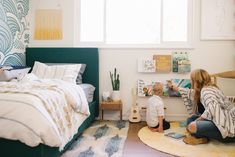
point(19, 67)
point(88, 90)
point(7, 75)
point(66, 72)
point(80, 73)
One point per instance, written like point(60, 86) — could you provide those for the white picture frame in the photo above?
point(217, 19)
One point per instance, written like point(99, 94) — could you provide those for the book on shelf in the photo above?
point(145, 88)
point(181, 62)
point(180, 83)
point(146, 65)
point(162, 63)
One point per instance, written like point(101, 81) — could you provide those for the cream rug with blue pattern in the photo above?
point(101, 139)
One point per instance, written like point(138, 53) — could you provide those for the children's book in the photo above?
point(175, 135)
point(181, 63)
point(162, 63)
point(145, 88)
point(183, 83)
point(146, 65)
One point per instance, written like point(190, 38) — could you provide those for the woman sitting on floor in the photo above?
point(212, 114)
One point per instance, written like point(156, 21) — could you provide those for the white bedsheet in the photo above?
point(38, 111)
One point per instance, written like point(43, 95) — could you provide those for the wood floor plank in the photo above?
point(134, 147)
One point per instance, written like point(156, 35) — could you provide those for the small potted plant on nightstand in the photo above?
point(115, 85)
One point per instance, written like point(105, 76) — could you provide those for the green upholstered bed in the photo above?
point(88, 56)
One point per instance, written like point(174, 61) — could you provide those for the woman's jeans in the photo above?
point(206, 128)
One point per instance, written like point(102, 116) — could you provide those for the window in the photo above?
point(135, 23)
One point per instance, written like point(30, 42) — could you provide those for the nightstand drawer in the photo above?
point(114, 105)
point(111, 106)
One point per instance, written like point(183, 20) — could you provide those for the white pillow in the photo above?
point(68, 72)
point(88, 90)
point(80, 73)
point(8, 75)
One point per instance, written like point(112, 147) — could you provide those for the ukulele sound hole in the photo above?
point(135, 111)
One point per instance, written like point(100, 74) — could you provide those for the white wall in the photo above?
point(214, 56)
point(68, 23)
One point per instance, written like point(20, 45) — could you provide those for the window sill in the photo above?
point(139, 46)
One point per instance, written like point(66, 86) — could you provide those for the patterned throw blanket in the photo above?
point(59, 102)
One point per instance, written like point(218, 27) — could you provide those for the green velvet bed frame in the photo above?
point(88, 56)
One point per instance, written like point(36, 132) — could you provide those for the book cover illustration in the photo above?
point(145, 88)
point(175, 135)
point(184, 66)
point(181, 63)
point(146, 65)
point(162, 63)
point(183, 83)
point(180, 83)
point(140, 88)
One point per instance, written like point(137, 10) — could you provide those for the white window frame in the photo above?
point(163, 45)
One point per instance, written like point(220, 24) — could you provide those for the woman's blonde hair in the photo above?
point(200, 78)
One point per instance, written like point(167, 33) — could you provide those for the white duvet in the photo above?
point(38, 111)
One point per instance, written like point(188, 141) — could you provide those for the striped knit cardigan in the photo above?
point(218, 108)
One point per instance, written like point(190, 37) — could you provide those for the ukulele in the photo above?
point(135, 114)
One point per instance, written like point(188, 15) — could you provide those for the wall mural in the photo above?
point(14, 31)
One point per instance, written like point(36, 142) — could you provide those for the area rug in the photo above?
point(177, 147)
point(101, 139)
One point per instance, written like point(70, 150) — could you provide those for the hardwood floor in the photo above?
point(135, 148)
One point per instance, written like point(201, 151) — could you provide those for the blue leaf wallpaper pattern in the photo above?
point(16, 58)
point(14, 31)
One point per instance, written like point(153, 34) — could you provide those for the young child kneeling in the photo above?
point(155, 111)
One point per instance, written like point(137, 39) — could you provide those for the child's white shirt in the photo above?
point(155, 108)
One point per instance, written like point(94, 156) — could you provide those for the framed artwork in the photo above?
point(48, 24)
point(217, 20)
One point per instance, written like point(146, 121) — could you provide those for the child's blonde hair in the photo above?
point(158, 89)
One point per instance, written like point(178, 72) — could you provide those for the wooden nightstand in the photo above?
point(113, 105)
